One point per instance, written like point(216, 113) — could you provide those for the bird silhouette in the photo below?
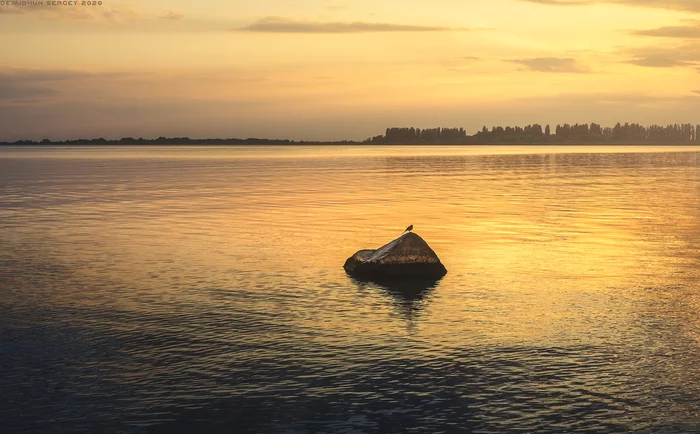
point(408, 229)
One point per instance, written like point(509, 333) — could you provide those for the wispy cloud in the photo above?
point(562, 2)
point(173, 16)
point(657, 62)
point(123, 14)
point(551, 64)
point(696, 91)
point(7, 10)
point(681, 5)
point(15, 75)
point(283, 25)
point(26, 75)
point(611, 98)
point(681, 32)
point(26, 84)
point(13, 92)
point(685, 55)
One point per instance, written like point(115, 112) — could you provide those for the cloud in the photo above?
point(551, 64)
point(25, 84)
point(657, 62)
point(27, 75)
point(21, 76)
point(282, 25)
point(611, 98)
point(685, 55)
point(681, 5)
point(117, 15)
point(562, 2)
point(683, 32)
point(12, 92)
point(696, 91)
point(10, 10)
point(173, 16)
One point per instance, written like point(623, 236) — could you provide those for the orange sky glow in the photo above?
point(332, 70)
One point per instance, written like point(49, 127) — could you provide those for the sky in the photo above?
point(334, 70)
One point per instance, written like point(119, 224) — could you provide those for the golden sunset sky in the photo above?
point(330, 70)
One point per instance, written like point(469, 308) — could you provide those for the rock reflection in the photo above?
point(407, 296)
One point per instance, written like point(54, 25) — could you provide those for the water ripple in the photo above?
point(201, 289)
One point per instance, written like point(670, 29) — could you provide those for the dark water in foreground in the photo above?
point(201, 290)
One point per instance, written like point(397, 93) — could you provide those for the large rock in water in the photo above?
point(407, 257)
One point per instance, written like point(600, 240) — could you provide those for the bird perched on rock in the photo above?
point(408, 229)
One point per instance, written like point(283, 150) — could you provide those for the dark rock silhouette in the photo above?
point(408, 257)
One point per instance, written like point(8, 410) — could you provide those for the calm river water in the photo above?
point(168, 290)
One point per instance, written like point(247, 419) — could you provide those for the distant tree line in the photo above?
point(530, 134)
point(585, 133)
point(416, 135)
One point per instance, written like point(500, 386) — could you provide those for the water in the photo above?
point(147, 290)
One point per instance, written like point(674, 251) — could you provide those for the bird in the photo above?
point(408, 229)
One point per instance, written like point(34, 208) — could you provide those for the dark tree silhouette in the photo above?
point(577, 133)
point(565, 134)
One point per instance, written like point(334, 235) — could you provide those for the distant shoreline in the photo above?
point(340, 144)
point(530, 135)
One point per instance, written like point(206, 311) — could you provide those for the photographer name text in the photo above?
point(49, 3)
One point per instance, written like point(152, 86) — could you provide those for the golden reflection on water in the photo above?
point(538, 246)
point(229, 248)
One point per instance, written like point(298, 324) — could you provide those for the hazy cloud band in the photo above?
point(682, 32)
point(281, 25)
point(552, 64)
point(681, 5)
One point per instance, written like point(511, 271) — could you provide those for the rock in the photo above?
point(407, 257)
